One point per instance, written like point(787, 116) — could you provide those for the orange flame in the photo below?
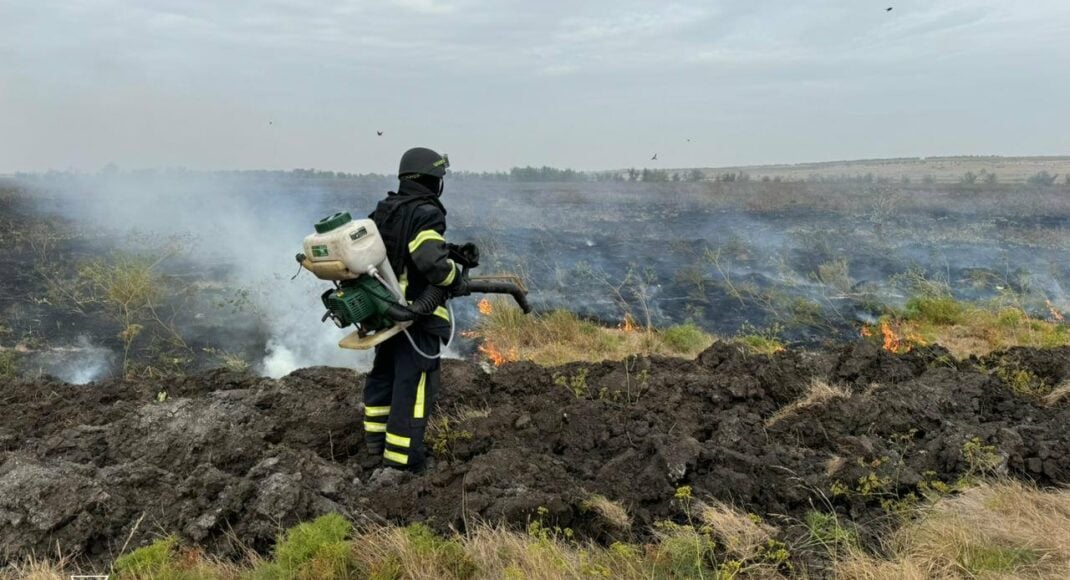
point(866, 331)
point(892, 342)
point(497, 357)
point(895, 342)
point(1055, 314)
point(485, 307)
point(628, 324)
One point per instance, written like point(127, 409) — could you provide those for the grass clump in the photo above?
point(560, 337)
point(153, 561)
point(936, 309)
point(316, 549)
point(1005, 529)
point(610, 511)
point(820, 392)
point(685, 338)
point(1058, 395)
point(826, 530)
point(9, 365)
point(976, 329)
point(756, 342)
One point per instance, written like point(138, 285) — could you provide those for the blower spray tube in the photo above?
point(425, 304)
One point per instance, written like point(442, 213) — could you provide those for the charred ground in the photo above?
point(227, 459)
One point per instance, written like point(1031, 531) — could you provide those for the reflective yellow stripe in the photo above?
point(442, 313)
point(423, 237)
point(418, 411)
point(449, 277)
point(374, 427)
point(377, 411)
point(396, 457)
point(398, 440)
point(404, 284)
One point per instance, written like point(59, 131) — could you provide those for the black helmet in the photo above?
point(423, 161)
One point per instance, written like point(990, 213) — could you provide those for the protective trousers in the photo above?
point(399, 393)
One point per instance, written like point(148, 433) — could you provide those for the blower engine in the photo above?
point(366, 291)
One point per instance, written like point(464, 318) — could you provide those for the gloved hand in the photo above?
point(466, 255)
point(459, 287)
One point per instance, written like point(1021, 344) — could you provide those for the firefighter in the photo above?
point(399, 392)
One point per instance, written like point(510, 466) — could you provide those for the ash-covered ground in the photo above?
point(226, 460)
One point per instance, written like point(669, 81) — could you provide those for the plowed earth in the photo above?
point(226, 460)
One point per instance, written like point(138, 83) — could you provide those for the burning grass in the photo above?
point(970, 329)
point(1001, 529)
point(561, 337)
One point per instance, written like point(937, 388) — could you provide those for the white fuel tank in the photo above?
point(343, 248)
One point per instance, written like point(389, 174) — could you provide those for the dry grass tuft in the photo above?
point(34, 569)
point(561, 337)
point(612, 512)
point(1000, 530)
point(742, 534)
point(1058, 394)
point(819, 393)
point(834, 464)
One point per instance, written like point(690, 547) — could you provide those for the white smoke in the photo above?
point(245, 230)
point(78, 364)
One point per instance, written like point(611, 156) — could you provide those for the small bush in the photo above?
point(936, 310)
point(685, 338)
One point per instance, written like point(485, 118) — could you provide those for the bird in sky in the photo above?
point(655, 157)
point(888, 9)
point(379, 133)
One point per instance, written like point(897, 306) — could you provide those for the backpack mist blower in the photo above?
point(366, 293)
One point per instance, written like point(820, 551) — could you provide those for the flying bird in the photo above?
point(379, 133)
point(655, 157)
point(888, 9)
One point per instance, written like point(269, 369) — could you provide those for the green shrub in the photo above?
point(316, 549)
point(153, 561)
point(685, 337)
point(936, 309)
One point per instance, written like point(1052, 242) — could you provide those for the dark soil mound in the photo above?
point(227, 460)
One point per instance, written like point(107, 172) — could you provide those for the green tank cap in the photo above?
point(332, 222)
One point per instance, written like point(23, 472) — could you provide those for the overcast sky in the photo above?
point(241, 84)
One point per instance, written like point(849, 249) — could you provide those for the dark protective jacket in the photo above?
point(412, 222)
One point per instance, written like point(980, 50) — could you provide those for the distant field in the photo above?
point(940, 169)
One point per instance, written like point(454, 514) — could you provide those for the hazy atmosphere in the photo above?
point(592, 85)
point(704, 290)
